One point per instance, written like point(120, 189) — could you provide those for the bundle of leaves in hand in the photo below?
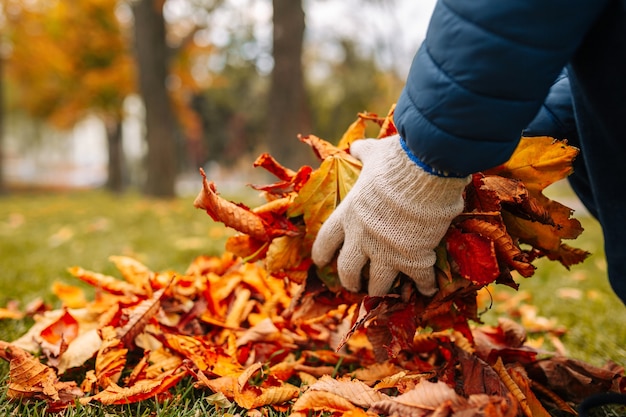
point(506, 224)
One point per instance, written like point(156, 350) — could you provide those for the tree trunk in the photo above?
point(116, 180)
point(289, 113)
point(2, 132)
point(152, 62)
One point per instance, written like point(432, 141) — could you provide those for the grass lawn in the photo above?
point(41, 235)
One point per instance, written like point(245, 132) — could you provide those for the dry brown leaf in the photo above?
point(249, 396)
point(142, 390)
point(355, 391)
point(321, 401)
point(232, 215)
point(29, 379)
point(137, 317)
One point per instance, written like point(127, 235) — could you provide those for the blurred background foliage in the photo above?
point(140, 93)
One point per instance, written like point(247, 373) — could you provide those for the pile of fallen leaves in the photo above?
point(263, 327)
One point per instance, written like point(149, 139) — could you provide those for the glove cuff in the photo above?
point(425, 167)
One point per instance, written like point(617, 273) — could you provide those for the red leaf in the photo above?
point(473, 255)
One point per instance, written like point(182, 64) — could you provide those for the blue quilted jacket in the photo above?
point(482, 74)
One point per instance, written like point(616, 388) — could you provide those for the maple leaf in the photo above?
point(324, 190)
point(538, 162)
point(355, 131)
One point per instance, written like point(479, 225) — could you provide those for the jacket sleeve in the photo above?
point(556, 115)
point(482, 74)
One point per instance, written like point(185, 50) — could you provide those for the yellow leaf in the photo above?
point(324, 190)
point(356, 131)
point(538, 162)
point(70, 295)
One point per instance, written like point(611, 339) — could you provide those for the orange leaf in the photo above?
point(388, 127)
point(206, 358)
point(107, 283)
point(287, 254)
point(31, 379)
point(249, 396)
point(270, 164)
point(232, 215)
point(356, 131)
point(531, 403)
point(323, 149)
point(64, 329)
point(140, 391)
point(352, 390)
point(10, 313)
point(321, 401)
point(133, 271)
point(70, 295)
point(111, 358)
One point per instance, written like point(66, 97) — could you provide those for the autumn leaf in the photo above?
point(249, 396)
point(321, 401)
point(29, 379)
point(326, 187)
point(239, 217)
point(356, 131)
point(474, 256)
point(70, 295)
point(105, 282)
point(133, 271)
point(64, 329)
point(135, 319)
point(270, 164)
point(111, 358)
point(354, 391)
point(538, 162)
point(142, 390)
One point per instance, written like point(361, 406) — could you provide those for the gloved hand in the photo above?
point(394, 216)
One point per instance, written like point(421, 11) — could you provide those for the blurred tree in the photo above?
point(71, 60)
point(288, 106)
point(152, 57)
point(2, 132)
point(354, 83)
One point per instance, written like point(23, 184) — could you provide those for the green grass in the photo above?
point(41, 235)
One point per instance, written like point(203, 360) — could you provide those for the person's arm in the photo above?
point(482, 74)
point(480, 77)
point(556, 115)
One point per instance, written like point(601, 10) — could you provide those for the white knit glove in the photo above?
point(394, 216)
